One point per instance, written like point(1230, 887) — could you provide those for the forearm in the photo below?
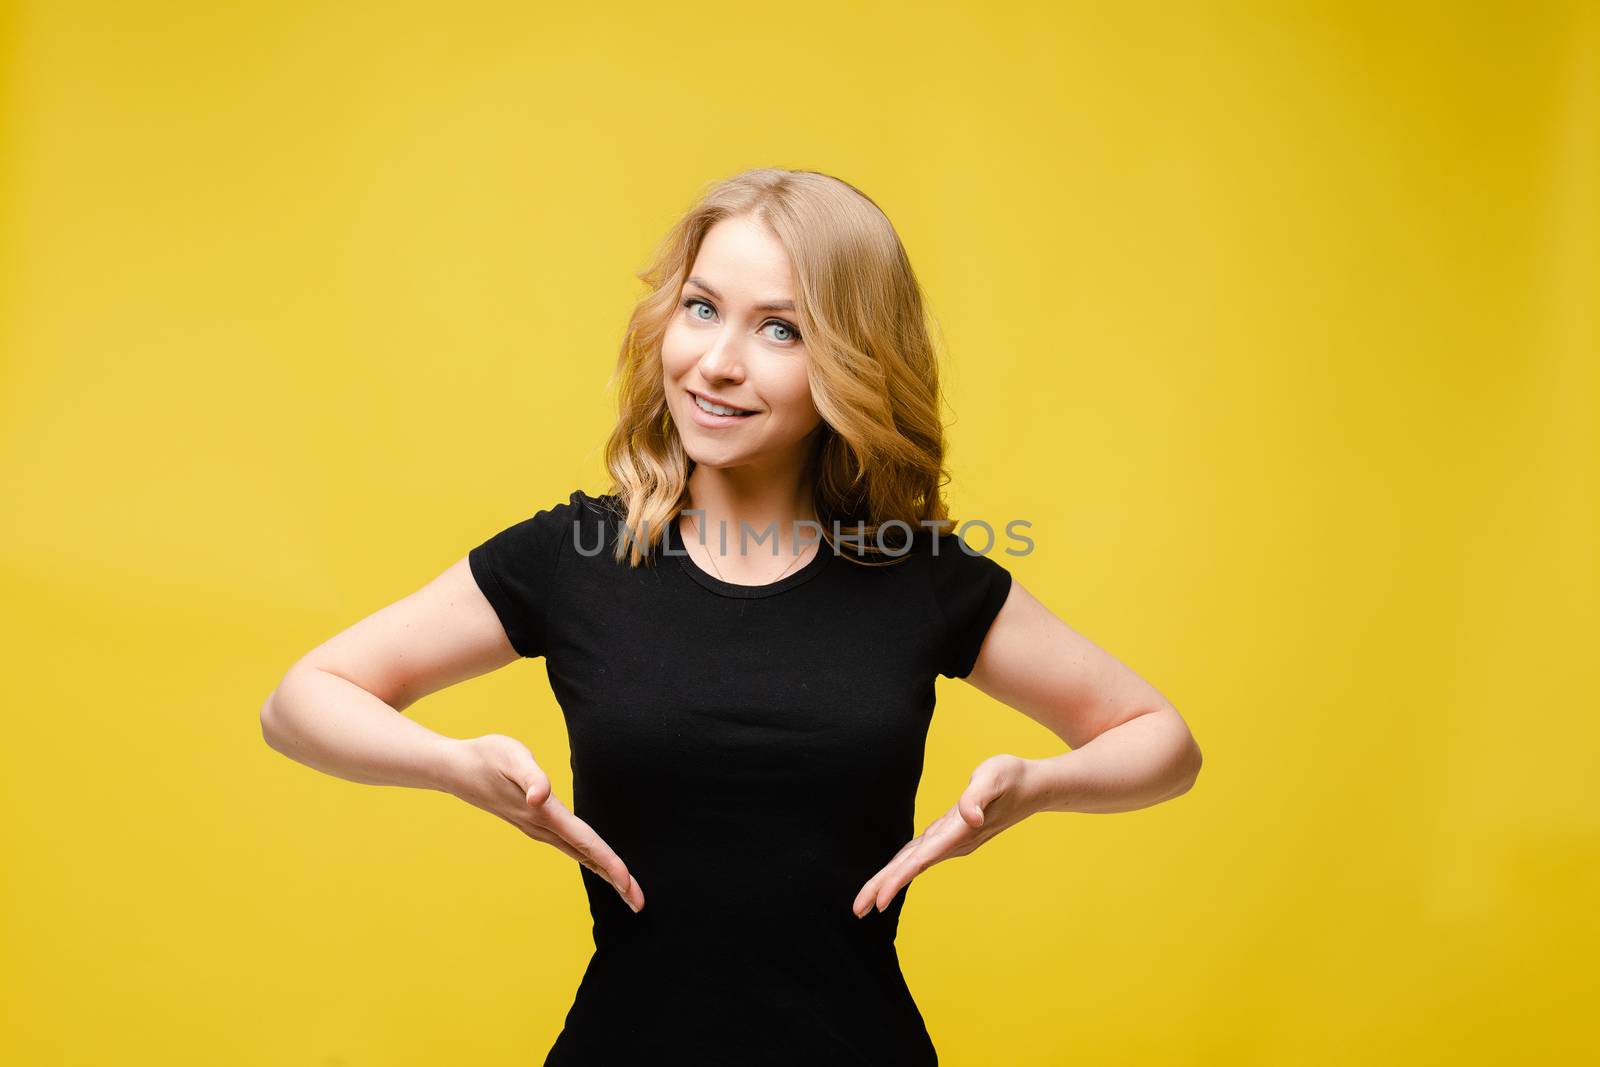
point(335, 726)
point(1144, 761)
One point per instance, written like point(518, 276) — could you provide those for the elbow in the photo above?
point(271, 722)
point(1189, 763)
point(1187, 759)
point(267, 725)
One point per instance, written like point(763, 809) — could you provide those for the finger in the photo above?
point(900, 878)
point(566, 849)
point(872, 894)
point(538, 792)
point(897, 878)
point(932, 847)
point(581, 836)
point(986, 786)
point(867, 895)
point(868, 892)
point(529, 776)
point(633, 896)
point(972, 803)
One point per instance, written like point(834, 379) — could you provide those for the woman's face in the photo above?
point(733, 341)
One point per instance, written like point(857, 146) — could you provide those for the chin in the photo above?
point(704, 457)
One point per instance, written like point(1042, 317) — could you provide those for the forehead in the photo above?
point(743, 259)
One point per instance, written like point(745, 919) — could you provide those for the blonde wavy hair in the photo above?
point(878, 455)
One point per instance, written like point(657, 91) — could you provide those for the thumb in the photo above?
point(971, 806)
point(535, 783)
point(984, 788)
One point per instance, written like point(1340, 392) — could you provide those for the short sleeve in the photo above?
point(969, 588)
point(516, 570)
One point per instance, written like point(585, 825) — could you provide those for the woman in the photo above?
point(743, 635)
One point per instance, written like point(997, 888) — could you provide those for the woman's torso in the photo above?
point(753, 755)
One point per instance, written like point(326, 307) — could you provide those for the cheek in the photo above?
point(676, 356)
point(794, 389)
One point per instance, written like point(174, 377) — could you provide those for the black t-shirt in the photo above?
point(752, 753)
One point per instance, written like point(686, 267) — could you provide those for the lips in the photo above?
point(743, 412)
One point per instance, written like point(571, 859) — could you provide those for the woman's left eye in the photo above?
point(793, 334)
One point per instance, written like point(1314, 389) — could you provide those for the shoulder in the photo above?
point(582, 506)
point(596, 506)
point(538, 539)
point(949, 552)
point(593, 519)
point(969, 586)
point(519, 568)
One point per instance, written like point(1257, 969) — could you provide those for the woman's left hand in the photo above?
point(996, 797)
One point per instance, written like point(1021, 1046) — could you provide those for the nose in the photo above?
point(722, 360)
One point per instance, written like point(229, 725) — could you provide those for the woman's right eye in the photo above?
point(691, 304)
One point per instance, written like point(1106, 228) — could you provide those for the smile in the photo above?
point(718, 410)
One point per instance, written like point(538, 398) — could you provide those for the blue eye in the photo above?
point(792, 333)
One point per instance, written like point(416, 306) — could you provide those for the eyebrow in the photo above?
point(770, 305)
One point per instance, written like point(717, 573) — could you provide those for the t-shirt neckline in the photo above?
point(809, 570)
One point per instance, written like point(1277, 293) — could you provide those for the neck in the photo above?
point(735, 498)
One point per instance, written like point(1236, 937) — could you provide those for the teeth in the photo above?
point(716, 409)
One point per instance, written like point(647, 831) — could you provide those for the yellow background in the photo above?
point(1278, 321)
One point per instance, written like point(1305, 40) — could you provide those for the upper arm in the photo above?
point(1037, 664)
point(444, 633)
point(488, 609)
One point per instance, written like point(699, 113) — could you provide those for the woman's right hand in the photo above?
point(499, 775)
